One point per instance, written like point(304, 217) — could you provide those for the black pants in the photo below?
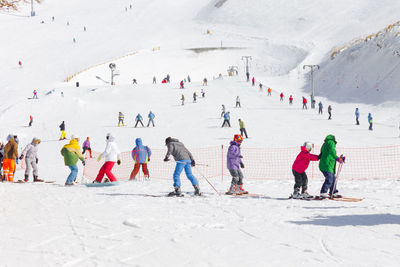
point(138, 122)
point(243, 130)
point(370, 126)
point(320, 111)
point(357, 122)
point(150, 121)
point(300, 180)
point(304, 106)
point(238, 104)
point(30, 123)
point(330, 115)
point(226, 121)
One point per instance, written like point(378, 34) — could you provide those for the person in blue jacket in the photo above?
point(357, 116)
point(138, 119)
point(370, 121)
point(141, 155)
point(227, 118)
point(151, 117)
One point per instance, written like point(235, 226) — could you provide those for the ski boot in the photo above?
point(324, 195)
point(296, 194)
point(241, 190)
point(197, 190)
point(306, 195)
point(96, 182)
point(69, 184)
point(35, 179)
point(26, 178)
point(336, 195)
point(233, 190)
point(176, 193)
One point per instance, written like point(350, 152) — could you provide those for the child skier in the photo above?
point(62, 129)
point(184, 160)
point(299, 168)
point(86, 147)
point(141, 155)
point(138, 119)
point(121, 118)
point(234, 163)
point(72, 153)
point(31, 160)
point(151, 117)
point(9, 156)
point(111, 155)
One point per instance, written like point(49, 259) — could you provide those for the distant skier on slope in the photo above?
point(184, 160)
point(320, 106)
point(182, 86)
point(238, 102)
point(247, 76)
point(330, 112)
point(227, 118)
point(370, 121)
point(141, 155)
point(304, 103)
point(205, 82)
point(35, 94)
point(242, 128)
point(86, 147)
point(203, 93)
point(138, 119)
point(281, 97)
point(62, 129)
point(31, 160)
point(357, 113)
point(30, 120)
point(269, 91)
point(72, 153)
point(223, 110)
point(299, 168)
point(253, 81)
point(261, 87)
point(111, 154)
point(151, 117)
point(290, 100)
point(194, 97)
point(154, 79)
point(188, 79)
point(183, 99)
point(121, 119)
point(234, 164)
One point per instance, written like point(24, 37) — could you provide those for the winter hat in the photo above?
point(9, 137)
point(110, 137)
point(168, 140)
point(75, 136)
point(308, 145)
point(36, 140)
point(238, 138)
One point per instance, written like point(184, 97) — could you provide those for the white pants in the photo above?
point(31, 163)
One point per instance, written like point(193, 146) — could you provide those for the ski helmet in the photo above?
point(308, 145)
point(238, 138)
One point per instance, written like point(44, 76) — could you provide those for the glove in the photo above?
point(148, 159)
point(119, 162)
point(166, 159)
point(193, 163)
point(241, 156)
point(99, 158)
point(83, 163)
point(319, 156)
point(241, 165)
point(343, 158)
point(37, 161)
point(339, 159)
point(21, 157)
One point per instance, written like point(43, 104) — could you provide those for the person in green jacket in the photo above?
point(72, 153)
point(242, 128)
point(327, 165)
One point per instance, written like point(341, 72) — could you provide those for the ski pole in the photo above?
point(200, 164)
point(337, 177)
point(208, 182)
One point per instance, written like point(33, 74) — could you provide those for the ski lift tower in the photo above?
point(32, 11)
point(312, 82)
point(114, 72)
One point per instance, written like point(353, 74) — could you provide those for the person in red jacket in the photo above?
point(304, 103)
point(182, 85)
point(299, 168)
point(291, 99)
point(281, 95)
point(253, 81)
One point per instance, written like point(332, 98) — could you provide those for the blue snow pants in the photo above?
point(329, 183)
point(180, 165)
point(73, 174)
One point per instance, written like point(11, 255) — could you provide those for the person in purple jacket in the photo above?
point(86, 147)
point(140, 155)
point(234, 163)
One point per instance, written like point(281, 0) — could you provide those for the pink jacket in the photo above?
point(303, 159)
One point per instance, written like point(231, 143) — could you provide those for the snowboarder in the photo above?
point(35, 94)
point(154, 79)
point(62, 129)
point(86, 147)
point(205, 82)
point(327, 165)
point(238, 102)
point(227, 118)
point(184, 160)
point(138, 119)
point(269, 91)
point(167, 78)
point(203, 93)
point(151, 117)
point(234, 164)
point(242, 128)
point(247, 76)
point(31, 160)
point(299, 168)
point(370, 121)
point(9, 156)
point(260, 85)
point(121, 119)
point(182, 86)
point(290, 100)
point(188, 79)
point(30, 120)
point(281, 97)
point(183, 99)
point(72, 153)
point(304, 103)
point(111, 155)
point(320, 106)
point(223, 111)
point(329, 112)
point(357, 113)
point(194, 97)
point(253, 81)
point(141, 155)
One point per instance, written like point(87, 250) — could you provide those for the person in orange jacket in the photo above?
point(269, 91)
point(30, 120)
point(10, 154)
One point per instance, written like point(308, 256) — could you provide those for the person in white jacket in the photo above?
point(111, 155)
point(31, 160)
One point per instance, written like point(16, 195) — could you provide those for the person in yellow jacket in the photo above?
point(72, 153)
point(62, 129)
point(10, 154)
point(242, 128)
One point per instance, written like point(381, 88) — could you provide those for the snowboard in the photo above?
point(102, 184)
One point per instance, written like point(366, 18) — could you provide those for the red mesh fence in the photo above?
point(262, 163)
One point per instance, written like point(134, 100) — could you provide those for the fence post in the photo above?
point(222, 163)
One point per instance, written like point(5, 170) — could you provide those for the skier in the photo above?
point(238, 102)
point(269, 91)
point(30, 120)
point(134, 81)
point(183, 99)
point(223, 111)
point(290, 99)
point(227, 118)
point(329, 112)
point(320, 107)
point(357, 116)
point(260, 85)
point(203, 93)
point(31, 160)
point(141, 155)
point(242, 128)
point(184, 160)
point(281, 95)
point(194, 97)
point(370, 121)
point(299, 168)
point(20, 64)
point(84, 28)
point(205, 82)
point(253, 81)
point(154, 79)
point(248, 76)
point(121, 118)
point(304, 103)
point(9, 156)
point(138, 119)
point(72, 153)
point(74, 40)
point(111, 155)
point(151, 117)
point(62, 94)
point(86, 147)
point(167, 78)
point(327, 165)
point(182, 86)
point(35, 94)
point(234, 164)
point(62, 129)
point(188, 79)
